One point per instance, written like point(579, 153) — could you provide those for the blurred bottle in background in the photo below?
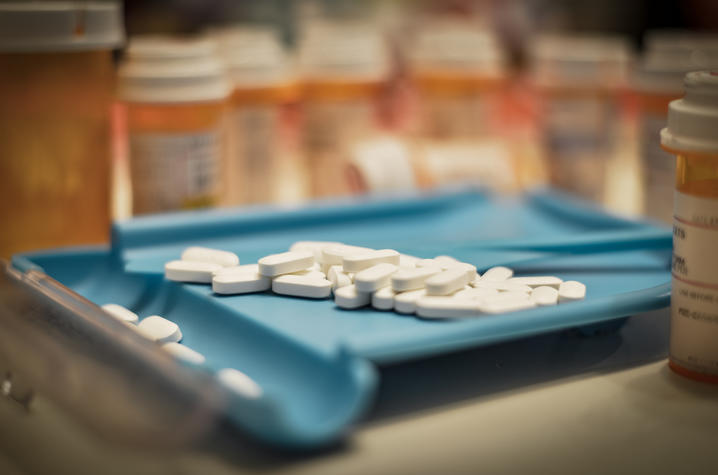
point(344, 67)
point(581, 81)
point(56, 84)
point(175, 95)
point(658, 79)
point(263, 163)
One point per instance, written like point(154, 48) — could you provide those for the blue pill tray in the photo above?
point(315, 362)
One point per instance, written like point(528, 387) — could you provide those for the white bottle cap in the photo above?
point(577, 61)
point(253, 55)
point(693, 120)
point(343, 51)
point(60, 26)
point(457, 47)
point(169, 70)
point(669, 55)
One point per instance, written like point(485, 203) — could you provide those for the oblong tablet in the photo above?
point(206, 254)
point(334, 255)
point(505, 306)
point(475, 294)
point(446, 307)
point(571, 290)
point(374, 278)
point(285, 263)
point(315, 247)
point(240, 283)
point(364, 260)
point(497, 273)
point(348, 297)
point(160, 329)
point(243, 269)
point(121, 313)
point(405, 302)
point(500, 285)
point(239, 383)
point(178, 350)
point(544, 295)
point(537, 281)
point(411, 279)
point(302, 286)
point(383, 299)
point(191, 271)
point(447, 282)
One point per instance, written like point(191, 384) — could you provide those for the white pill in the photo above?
point(497, 273)
point(365, 260)
point(338, 277)
point(405, 302)
point(239, 382)
point(240, 283)
point(475, 294)
point(315, 247)
point(544, 295)
point(348, 297)
point(507, 296)
point(446, 307)
point(190, 271)
point(183, 352)
point(504, 306)
point(334, 255)
point(374, 278)
point(407, 261)
point(215, 256)
point(500, 285)
point(159, 329)
point(383, 299)
point(427, 263)
point(310, 273)
point(537, 281)
point(285, 263)
point(121, 313)
point(446, 282)
point(445, 261)
point(411, 279)
point(243, 269)
point(470, 269)
point(571, 290)
point(302, 286)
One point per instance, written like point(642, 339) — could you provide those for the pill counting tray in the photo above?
point(314, 361)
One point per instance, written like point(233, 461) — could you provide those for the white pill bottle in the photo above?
point(175, 94)
point(344, 67)
point(262, 140)
point(692, 135)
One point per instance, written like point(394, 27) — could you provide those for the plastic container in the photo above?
point(659, 80)
point(344, 67)
point(580, 80)
point(57, 80)
point(262, 153)
point(175, 94)
point(691, 136)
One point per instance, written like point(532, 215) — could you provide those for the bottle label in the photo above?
point(694, 298)
point(174, 171)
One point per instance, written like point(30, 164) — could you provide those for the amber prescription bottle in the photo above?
point(175, 94)
point(56, 84)
point(692, 135)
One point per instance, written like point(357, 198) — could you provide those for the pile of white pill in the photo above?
point(442, 287)
point(168, 335)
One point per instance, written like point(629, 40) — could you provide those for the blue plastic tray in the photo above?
point(315, 361)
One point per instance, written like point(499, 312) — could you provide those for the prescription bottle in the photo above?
point(691, 136)
point(657, 81)
point(344, 69)
point(56, 84)
point(175, 96)
point(262, 160)
point(581, 83)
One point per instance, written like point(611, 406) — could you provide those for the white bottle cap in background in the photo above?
point(159, 69)
point(253, 55)
point(60, 26)
point(580, 61)
point(457, 47)
point(343, 51)
point(693, 120)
